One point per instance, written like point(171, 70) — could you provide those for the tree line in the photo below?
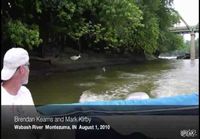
point(105, 26)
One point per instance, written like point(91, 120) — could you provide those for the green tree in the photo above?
point(106, 25)
point(23, 35)
point(19, 24)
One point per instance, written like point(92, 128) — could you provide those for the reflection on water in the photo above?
point(158, 78)
point(180, 80)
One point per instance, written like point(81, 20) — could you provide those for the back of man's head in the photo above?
point(14, 58)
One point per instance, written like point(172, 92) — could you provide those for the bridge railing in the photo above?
point(184, 29)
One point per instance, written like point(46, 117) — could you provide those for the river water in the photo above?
point(157, 78)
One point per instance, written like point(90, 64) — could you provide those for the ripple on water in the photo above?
point(127, 75)
point(112, 94)
point(98, 77)
point(87, 84)
point(89, 96)
point(181, 80)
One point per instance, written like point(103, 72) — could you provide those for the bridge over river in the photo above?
point(185, 30)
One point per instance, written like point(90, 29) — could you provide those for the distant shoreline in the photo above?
point(41, 67)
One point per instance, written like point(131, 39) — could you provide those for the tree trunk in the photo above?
point(79, 46)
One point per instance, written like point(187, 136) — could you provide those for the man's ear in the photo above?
point(21, 69)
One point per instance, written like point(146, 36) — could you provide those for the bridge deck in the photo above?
point(184, 29)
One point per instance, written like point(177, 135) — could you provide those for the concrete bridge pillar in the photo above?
point(192, 47)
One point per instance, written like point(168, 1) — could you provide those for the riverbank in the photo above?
point(64, 63)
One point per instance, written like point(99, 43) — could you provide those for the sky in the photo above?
point(189, 10)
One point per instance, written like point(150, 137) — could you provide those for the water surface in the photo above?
point(158, 78)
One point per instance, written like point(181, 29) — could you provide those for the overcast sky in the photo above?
point(189, 10)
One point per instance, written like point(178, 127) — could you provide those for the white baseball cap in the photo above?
point(13, 58)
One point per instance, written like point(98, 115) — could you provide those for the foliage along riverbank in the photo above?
point(103, 26)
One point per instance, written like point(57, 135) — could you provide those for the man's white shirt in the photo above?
point(23, 97)
point(21, 104)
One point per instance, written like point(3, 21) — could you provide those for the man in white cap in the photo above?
point(14, 75)
point(16, 99)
